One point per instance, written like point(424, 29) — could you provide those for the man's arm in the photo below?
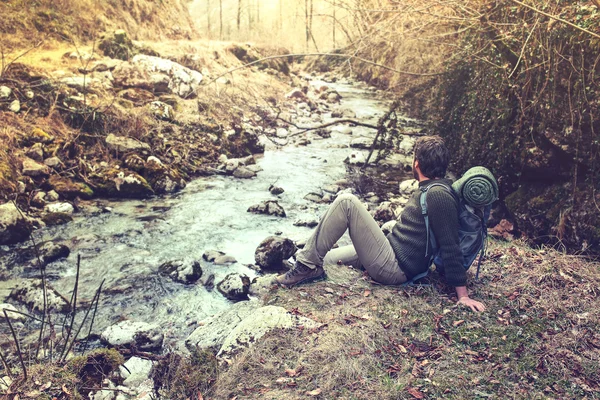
point(443, 216)
point(463, 298)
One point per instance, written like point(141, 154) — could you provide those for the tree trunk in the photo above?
point(220, 19)
point(239, 16)
point(208, 18)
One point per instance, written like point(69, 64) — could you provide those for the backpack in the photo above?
point(472, 232)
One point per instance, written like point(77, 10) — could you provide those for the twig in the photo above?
point(12, 330)
point(305, 129)
point(96, 298)
point(73, 307)
point(5, 364)
point(87, 339)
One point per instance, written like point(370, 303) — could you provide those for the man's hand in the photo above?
point(472, 304)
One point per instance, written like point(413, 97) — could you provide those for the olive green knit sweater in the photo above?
point(409, 236)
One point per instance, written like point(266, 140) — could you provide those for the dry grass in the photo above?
point(539, 337)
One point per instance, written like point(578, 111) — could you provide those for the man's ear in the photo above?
point(416, 164)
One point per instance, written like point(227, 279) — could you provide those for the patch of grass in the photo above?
point(539, 337)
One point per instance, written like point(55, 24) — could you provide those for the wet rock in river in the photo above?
point(31, 294)
point(316, 197)
point(211, 255)
point(143, 336)
point(125, 144)
point(50, 252)
point(356, 158)
point(343, 113)
point(296, 94)
point(14, 226)
point(209, 282)
point(272, 251)
point(276, 190)
point(181, 271)
point(310, 223)
point(244, 173)
point(234, 287)
point(57, 218)
point(361, 143)
point(270, 207)
point(407, 145)
point(224, 260)
point(70, 189)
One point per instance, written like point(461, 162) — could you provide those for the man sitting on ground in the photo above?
point(400, 256)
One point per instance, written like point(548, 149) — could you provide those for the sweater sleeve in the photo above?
point(443, 219)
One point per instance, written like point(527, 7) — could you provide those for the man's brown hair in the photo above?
point(433, 156)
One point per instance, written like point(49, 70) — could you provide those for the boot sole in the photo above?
point(307, 280)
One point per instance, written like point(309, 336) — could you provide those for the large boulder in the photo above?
point(270, 207)
point(117, 44)
point(212, 332)
point(158, 75)
point(31, 293)
point(181, 271)
point(70, 189)
point(14, 226)
point(235, 287)
point(143, 336)
point(272, 251)
point(258, 324)
point(124, 144)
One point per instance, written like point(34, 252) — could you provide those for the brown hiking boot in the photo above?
point(300, 274)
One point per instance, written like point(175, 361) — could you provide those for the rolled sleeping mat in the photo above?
point(477, 187)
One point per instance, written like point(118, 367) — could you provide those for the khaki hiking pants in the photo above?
point(370, 248)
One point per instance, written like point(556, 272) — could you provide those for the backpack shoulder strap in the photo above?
point(424, 211)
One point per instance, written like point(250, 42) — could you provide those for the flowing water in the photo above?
point(125, 246)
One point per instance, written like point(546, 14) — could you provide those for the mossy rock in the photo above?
point(53, 219)
point(117, 45)
point(92, 368)
point(70, 189)
point(122, 183)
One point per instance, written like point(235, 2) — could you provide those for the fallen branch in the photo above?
point(304, 129)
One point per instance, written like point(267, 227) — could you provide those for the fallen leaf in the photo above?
point(65, 390)
point(200, 397)
point(282, 380)
point(416, 393)
point(314, 393)
point(291, 372)
point(459, 322)
point(367, 293)
point(45, 386)
point(329, 290)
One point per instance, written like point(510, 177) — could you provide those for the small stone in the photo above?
point(125, 144)
point(211, 255)
point(11, 315)
point(36, 152)
point(52, 162)
point(276, 190)
point(269, 207)
point(314, 197)
point(235, 287)
point(272, 251)
point(222, 159)
point(311, 223)
point(33, 168)
point(15, 106)
point(52, 196)
point(224, 260)
point(181, 271)
point(29, 94)
point(356, 158)
point(51, 252)
point(65, 208)
point(5, 92)
point(162, 110)
point(39, 200)
point(53, 219)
